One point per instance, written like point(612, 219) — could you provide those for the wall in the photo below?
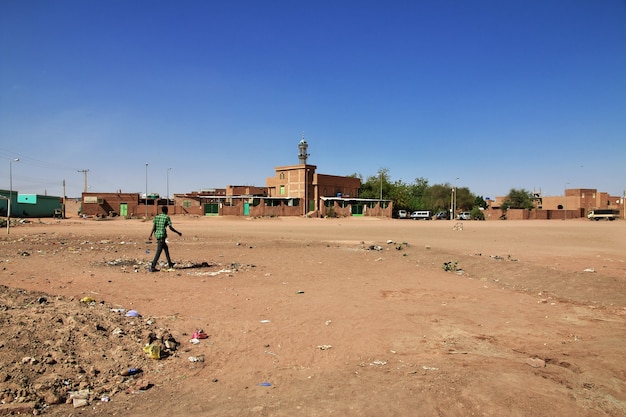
point(336, 209)
point(103, 204)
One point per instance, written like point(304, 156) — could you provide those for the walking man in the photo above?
point(159, 228)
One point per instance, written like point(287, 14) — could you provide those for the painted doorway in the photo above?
point(123, 209)
point(211, 209)
point(357, 209)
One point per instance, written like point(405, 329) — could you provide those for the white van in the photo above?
point(421, 215)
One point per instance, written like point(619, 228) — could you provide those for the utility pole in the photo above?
point(10, 192)
point(168, 186)
point(84, 171)
point(64, 198)
point(146, 190)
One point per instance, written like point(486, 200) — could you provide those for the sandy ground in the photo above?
point(315, 317)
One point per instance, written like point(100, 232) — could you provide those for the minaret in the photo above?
point(303, 147)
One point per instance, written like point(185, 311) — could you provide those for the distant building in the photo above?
point(576, 203)
point(30, 205)
point(294, 190)
point(321, 195)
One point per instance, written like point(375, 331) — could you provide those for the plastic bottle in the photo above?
point(130, 371)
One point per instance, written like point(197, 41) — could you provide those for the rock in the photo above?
point(536, 362)
point(52, 397)
point(16, 408)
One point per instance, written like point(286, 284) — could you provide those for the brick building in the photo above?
point(575, 203)
point(320, 195)
point(294, 190)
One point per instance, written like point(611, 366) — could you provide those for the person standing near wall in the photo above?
point(159, 229)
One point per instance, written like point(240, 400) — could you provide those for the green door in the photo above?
point(357, 209)
point(246, 209)
point(211, 209)
point(123, 209)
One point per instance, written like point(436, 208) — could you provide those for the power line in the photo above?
point(26, 160)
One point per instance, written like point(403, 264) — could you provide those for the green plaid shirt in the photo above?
point(161, 222)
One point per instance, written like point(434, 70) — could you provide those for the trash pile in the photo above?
point(55, 350)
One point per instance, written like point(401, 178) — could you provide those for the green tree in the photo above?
point(372, 186)
point(518, 199)
point(418, 192)
point(438, 197)
point(479, 201)
point(465, 199)
point(400, 194)
point(477, 213)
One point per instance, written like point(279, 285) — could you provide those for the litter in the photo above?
point(199, 334)
point(130, 371)
point(154, 351)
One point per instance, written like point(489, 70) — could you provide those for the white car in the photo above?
point(464, 215)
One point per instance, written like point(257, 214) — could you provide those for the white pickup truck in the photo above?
point(606, 214)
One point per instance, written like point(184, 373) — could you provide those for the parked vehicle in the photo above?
point(421, 215)
point(605, 214)
point(442, 215)
point(402, 214)
point(464, 215)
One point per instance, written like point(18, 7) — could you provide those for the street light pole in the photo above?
point(168, 186)
point(10, 191)
point(455, 192)
point(565, 202)
point(146, 200)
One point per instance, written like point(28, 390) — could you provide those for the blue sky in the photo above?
point(499, 94)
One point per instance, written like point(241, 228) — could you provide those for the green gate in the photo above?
point(357, 209)
point(246, 208)
point(123, 209)
point(212, 209)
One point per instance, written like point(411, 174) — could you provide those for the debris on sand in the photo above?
point(60, 351)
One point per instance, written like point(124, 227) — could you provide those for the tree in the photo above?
point(464, 199)
point(477, 213)
point(438, 197)
point(372, 187)
point(479, 201)
point(518, 199)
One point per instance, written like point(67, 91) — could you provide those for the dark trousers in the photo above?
point(161, 246)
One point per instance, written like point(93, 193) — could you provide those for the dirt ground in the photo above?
point(314, 317)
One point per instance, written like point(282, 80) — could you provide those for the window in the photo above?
point(282, 190)
point(186, 203)
point(282, 176)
